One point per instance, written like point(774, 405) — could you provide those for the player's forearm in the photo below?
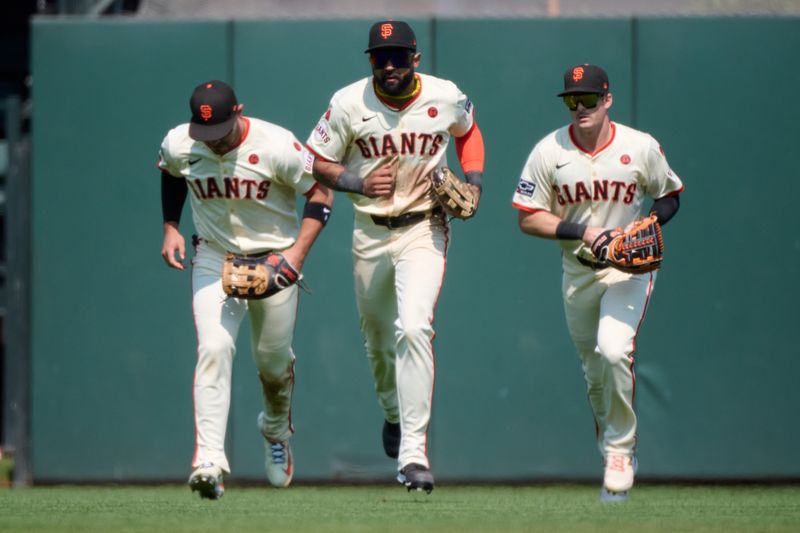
point(665, 208)
point(337, 177)
point(315, 215)
point(296, 253)
point(539, 224)
point(470, 152)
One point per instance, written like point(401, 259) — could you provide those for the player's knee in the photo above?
point(276, 376)
point(414, 333)
point(613, 353)
point(614, 347)
point(215, 348)
point(274, 365)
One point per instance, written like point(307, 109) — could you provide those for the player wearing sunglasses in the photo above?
point(584, 178)
point(378, 141)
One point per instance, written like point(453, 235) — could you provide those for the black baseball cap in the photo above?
point(391, 34)
point(582, 79)
point(213, 105)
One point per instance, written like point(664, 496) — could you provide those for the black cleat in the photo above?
point(415, 476)
point(207, 480)
point(391, 439)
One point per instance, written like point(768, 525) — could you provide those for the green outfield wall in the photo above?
point(113, 341)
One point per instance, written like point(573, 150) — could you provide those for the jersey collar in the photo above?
point(584, 150)
point(392, 104)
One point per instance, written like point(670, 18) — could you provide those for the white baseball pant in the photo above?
point(604, 310)
point(217, 320)
point(398, 276)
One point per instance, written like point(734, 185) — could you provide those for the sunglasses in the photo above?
point(399, 58)
point(589, 101)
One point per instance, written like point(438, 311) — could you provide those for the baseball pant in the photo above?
point(217, 320)
point(604, 310)
point(398, 276)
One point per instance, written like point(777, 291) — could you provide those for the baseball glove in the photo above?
point(638, 250)
point(257, 277)
point(454, 195)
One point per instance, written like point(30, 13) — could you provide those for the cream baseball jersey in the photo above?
point(604, 189)
point(243, 200)
point(360, 132)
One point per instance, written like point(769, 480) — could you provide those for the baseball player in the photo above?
point(242, 174)
point(377, 141)
point(580, 180)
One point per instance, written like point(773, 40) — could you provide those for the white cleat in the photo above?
point(618, 477)
point(207, 480)
point(279, 463)
point(606, 496)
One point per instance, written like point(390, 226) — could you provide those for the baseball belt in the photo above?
point(406, 219)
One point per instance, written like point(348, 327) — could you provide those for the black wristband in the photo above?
point(570, 231)
point(317, 211)
point(474, 178)
point(349, 182)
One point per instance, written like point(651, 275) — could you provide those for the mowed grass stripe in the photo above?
point(559, 508)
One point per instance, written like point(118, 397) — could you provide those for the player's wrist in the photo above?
point(570, 231)
point(349, 182)
point(473, 177)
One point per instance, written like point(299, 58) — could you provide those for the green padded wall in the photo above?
point(113, 339)
point(716, 356)
point(722, 353)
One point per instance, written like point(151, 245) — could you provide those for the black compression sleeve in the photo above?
point(173, 196)
point(665, 208)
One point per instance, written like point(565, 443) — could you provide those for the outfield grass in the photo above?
point(384, 509)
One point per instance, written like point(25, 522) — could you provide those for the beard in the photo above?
point(395, 84)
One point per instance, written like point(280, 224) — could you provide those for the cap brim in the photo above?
point(206, 132)
point(388, 45)
point(582, 90)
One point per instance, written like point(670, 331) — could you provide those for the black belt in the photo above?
point(406, 219)
point(594, 265)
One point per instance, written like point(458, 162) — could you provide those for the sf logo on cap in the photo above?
point(577, 73)
point(386, 30)
point(205, 112)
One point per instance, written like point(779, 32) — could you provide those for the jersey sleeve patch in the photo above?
point(526, 188)
point(308, 161)
point(322, 132)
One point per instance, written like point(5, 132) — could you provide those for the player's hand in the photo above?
point(380, 182)
point(477, 192)
point(174, 246)
point(591, 233)
point(295, 257)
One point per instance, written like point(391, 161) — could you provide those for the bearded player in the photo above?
point(378, 141)
point(243, 175)
point(579, 181)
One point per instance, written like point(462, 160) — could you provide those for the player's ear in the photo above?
point(608, 100)
point(239, 108)
point(415, 59)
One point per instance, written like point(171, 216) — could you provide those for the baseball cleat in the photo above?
point(416, 476)
point(606, 496)
point(279, 463)
point(391, 438)
point(619, 472)
point(207, 480)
